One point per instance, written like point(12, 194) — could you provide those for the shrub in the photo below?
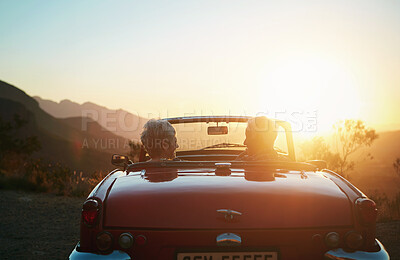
point(40, 176)
point(388, 209)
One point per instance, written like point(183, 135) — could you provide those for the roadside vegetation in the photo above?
point(348, 137)
point(19, 170)
point(396, 166)
point(338, 151)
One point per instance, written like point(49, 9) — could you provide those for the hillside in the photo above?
point(378, 174)
point(119, 121)
point(63, 140)
point(44, 121)
point(97, 137)
point(386, 148)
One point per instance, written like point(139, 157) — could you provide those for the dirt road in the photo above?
point(43, 226)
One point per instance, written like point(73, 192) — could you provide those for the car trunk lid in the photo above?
point(194, 200)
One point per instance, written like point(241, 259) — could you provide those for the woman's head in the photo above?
point(159, 140)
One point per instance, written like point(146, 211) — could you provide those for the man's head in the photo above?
point(159, 140)
point(261, 134)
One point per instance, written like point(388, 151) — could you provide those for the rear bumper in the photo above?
point(339, 253)
point(115, 255)
point(336, 254)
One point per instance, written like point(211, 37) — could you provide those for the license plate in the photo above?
point(229, 256)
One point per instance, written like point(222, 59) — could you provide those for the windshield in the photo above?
point(195, 136)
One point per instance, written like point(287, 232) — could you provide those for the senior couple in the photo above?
point(159, 140)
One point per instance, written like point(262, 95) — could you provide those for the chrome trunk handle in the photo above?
point(229, 214)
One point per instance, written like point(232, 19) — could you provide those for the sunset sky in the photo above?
point(328, 59)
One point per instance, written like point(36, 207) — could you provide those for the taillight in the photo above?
point(141, 240)
point(90, 211)
point(367, 211)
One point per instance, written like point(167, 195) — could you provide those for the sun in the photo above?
point(301, 87)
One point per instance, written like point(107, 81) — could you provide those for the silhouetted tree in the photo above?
point(351, 135)
point(13, 145)
point(318, 149)
point(396, 166)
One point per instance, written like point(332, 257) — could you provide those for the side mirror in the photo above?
point(120, 160)
point(319, 163)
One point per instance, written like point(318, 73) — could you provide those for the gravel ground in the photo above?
point(389, 234)
point(38, 226)
point(44, 226)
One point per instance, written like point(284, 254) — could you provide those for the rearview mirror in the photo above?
point(119, 160)
point(217, 130)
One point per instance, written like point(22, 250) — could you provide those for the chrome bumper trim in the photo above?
point(340, 254)
point(115, 255)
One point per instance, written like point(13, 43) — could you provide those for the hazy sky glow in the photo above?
point(171, 58)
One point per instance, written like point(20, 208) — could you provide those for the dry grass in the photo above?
point(52, 178)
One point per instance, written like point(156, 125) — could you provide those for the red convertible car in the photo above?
point(209, 206)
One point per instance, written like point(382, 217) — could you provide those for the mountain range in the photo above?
point(81, 143)
point(119, 122)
